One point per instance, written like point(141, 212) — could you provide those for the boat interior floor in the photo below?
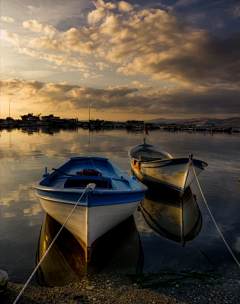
point(148, 155)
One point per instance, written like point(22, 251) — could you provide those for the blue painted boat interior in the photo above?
point(78, 172)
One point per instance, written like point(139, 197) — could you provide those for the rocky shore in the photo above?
point(118, 288)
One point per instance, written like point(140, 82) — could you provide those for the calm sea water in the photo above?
point(149, 241)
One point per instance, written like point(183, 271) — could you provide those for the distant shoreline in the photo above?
point(31, 121)
point(169, 128)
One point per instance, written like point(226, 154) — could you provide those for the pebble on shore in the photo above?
point(3, 280)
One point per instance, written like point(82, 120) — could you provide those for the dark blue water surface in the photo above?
point(152, 239)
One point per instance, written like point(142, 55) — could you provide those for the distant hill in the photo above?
point(233, 121)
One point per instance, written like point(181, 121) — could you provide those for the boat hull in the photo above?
point(174, 173)
point(88, 224)
point(177, 177)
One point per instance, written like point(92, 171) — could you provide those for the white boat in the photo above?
point(151, 165)
point(115, 197)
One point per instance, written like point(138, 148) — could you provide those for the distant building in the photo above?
point(50, 119)
point(30, 117)
point(135, 124)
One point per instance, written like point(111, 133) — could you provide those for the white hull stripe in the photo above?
point(85, 204)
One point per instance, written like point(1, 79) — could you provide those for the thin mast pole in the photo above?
point(9, 107)
point(144, 130)
point(89, 109)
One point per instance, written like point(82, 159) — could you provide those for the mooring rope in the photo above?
point(96, 167)
point(91, 186)
point(214, 219)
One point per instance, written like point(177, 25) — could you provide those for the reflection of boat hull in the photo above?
point(113, 196)
point(179, 219)
point(66, 259)
point(88, 224)
point(65, 262)
point(151, 165)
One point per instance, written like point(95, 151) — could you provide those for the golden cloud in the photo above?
point(124, 6)
point(13, 38)
point(166, 49)
point(7, 19)
point(102, 65)
point(151, 42)
point(102, 10)
point(35, 26)
point(138, 97)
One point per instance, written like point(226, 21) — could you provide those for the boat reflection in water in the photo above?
point(118, 249)
point(176, 218)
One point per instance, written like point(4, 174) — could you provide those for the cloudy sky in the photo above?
point(130, 60)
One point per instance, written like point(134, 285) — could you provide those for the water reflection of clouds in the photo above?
point(9, 214)
point(36, 146)
point(74, 148)
point(20, 200)
point(35, 209)
point(51, 153)
point(25, 191)
point(19, 152)
point(65, 144)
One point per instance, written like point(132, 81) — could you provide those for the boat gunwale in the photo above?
point(79, 190)
point(85, 204)
point(144, 163)
point(186, 160)
point(147, 145)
